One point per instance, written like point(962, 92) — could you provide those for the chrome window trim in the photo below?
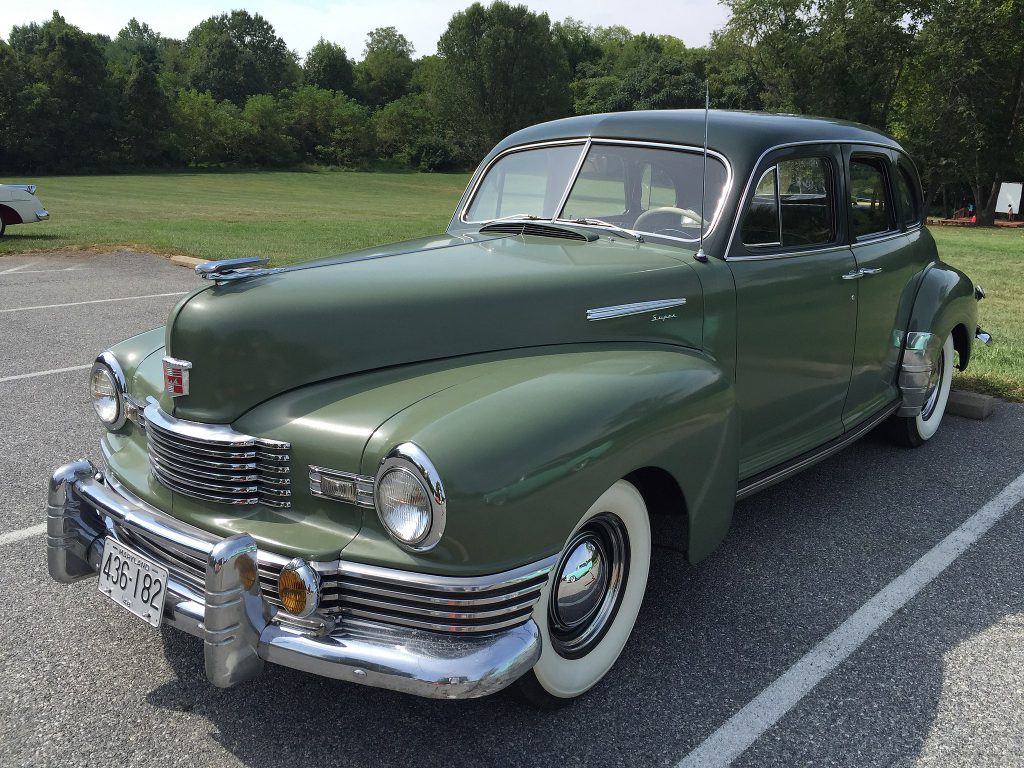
point(879, 238)
point(778, 209)
point(470, 194)
point(790, 254)
point(895, 227)
point(639, 308)
point(757, 163)
point(572, 178)
point(588, 142)
point(822, 248)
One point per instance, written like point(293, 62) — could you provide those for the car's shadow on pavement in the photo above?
point(800, 559)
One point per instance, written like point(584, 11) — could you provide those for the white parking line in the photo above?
point(95, 301)
point(17, 268)
point(22, 271)
point(24, 533)
point(744, 728)
point(45, 373)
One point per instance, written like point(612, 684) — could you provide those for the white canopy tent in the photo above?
point(1009, 194)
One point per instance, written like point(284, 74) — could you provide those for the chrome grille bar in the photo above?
point(213, 462)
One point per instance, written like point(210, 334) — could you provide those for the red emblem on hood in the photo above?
point(176, 376)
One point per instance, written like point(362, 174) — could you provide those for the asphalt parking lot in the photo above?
point(940, 683)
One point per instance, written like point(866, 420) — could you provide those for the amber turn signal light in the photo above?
point(298, 588)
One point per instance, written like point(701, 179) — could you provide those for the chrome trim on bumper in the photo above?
point(238, 625)
point(43, 214)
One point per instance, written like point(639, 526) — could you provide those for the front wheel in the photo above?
point(913, 431)
point(3, 227)
point(585, 622)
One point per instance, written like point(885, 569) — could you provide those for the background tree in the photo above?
point(962, 108)
point(386, 70)
point(327, 66)
point(236, 55)
point(69, 103)
point(504, 70)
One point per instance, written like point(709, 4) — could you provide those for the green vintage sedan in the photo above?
point(434, 466)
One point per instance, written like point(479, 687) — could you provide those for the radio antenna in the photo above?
point(700, 255)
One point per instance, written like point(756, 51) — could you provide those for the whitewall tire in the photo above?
point(587, 610)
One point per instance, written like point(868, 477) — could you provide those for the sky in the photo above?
point(302, 22)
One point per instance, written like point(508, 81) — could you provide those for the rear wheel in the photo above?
point(587, 611)
point(913, 431)
point(3, 227)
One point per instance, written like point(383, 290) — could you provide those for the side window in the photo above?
point(793, 205)
point(805, 196)
point(761, 222)
point(907, 196)
point(870, 201)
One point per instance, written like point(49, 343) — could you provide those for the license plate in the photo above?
point(133, 581)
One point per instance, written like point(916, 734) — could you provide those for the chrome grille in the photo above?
point(215, 463)
point(438, 603)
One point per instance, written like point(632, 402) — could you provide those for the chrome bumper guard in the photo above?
point(237, 625)
point(920, 356)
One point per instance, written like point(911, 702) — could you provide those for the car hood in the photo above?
point(255, 338)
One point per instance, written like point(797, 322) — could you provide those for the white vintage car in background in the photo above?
point(19, 205)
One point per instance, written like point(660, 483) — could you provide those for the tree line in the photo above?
point(946, 77)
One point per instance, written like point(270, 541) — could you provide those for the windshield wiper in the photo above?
point(627, 233)
point(514, 217)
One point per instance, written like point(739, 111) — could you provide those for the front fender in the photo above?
point(524, 446)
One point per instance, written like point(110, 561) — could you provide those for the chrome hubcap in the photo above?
point(934, 384)
point(589, 581)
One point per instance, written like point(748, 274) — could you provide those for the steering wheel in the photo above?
point(687, 218)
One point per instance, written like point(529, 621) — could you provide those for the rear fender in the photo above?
point(945, 300)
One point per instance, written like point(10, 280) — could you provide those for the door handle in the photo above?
point(857, 274)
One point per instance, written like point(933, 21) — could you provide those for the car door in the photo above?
point(796, 314)
point(888, 263)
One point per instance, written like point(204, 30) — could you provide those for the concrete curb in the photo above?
point(186, 261)
point(970, 405)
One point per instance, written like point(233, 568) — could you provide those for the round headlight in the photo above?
point(106, 387)
point(404, 505)
point(410, 498)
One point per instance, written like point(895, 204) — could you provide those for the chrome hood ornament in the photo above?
point(227, 270)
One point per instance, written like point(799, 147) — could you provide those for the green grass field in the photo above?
point(293, 216)
point(994, 259)
point(287, 216)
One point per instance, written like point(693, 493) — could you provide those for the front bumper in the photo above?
point(238, 626)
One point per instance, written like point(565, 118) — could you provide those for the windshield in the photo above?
point(642, 189)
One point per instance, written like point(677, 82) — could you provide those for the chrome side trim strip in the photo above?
point(625, 310)
point(761, 482)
